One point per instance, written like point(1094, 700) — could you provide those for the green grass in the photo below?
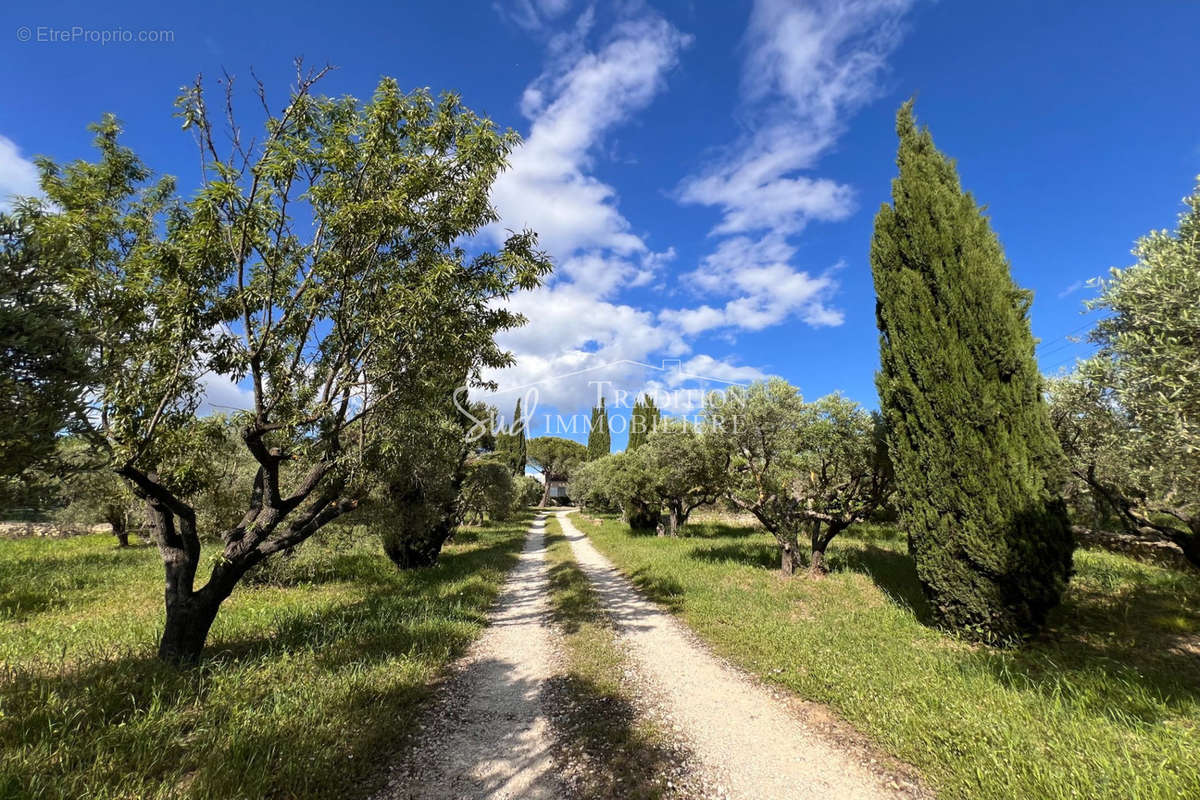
point(313, 676)
point(616, 752)
point(1106, 704)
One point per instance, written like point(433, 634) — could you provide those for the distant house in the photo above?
point(557, 491)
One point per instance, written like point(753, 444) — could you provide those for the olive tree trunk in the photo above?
point(821, 536)
point(119, 529)
point(789, 554)
point(677, 517)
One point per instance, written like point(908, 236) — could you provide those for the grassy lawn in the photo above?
point(314, 673)
point(1105, 705)
point(609, 752)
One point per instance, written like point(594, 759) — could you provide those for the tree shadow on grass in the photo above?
point(1131, 655)
point(894, 573)
point(753, 554)
point(667, 592)
point(718, 530)
point(30, 586)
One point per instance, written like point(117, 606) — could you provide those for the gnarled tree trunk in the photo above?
point(119, 529)
point(821, 537)
point(816, 564)
point(789, 554)
point(421, 524)
point(420, 549)
point(189, 618)
point(677, 517)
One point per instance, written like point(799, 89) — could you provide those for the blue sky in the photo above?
point(704, 174)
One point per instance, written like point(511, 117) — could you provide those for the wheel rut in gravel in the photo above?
point(488, 735)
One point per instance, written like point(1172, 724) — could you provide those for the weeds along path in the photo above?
point(488, 735)
point(745, 736)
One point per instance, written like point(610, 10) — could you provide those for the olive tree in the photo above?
point(757, 431)
point(845, 473)
point(589, 486)
point(100, 495)
point(684, 469)
point(1148, 484)
point(1149, 343)
point(488, 490)
point(319, 265)
point(798, 468)
point(423, 462)
point(1129, 418)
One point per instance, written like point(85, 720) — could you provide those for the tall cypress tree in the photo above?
point(978, 467)
point(599, 437)
point(511, 443)
point(519, 455)
point(643, 419)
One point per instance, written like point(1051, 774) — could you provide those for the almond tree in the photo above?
point(320, 267)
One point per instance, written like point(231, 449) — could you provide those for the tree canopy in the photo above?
point(643, 419)
point(1129, 418)
point(320, 264)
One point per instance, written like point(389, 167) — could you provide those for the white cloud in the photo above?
point(808, 65)
point(573, 105)
point(18, 176)
point(532, 15)
point(220, 395)
point(576, 322)
point(765, 290)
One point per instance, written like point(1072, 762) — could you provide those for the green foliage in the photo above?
point(978, 467)
point(424, 466)
point(99, 496)
point(488, 490)
point(589, 485)
point(528, 492)
point(1151, 337)
point(643, 420)
point(510, 442)
point(620, 480)
point(599, 442)
point(1129, 418)
point(684, 470)
point(756, 429)
point(1104, 705)
point(845, 471)
point(556, 457)
point(43, 354)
